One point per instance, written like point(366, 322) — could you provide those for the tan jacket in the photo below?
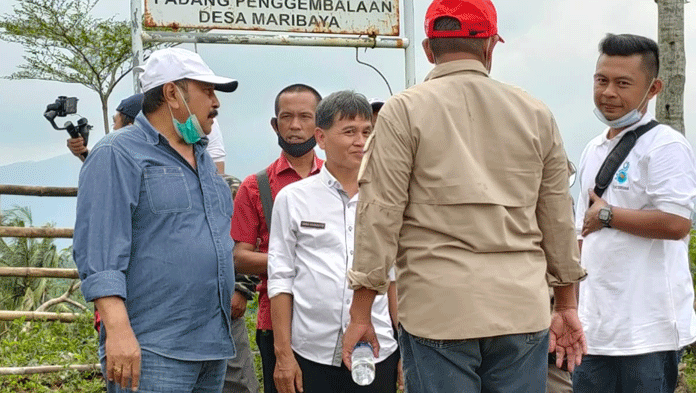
point(465, 184)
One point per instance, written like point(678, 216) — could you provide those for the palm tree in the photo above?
point(28, 293)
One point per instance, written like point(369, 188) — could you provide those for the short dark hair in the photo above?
point(125, 119)
point(154, 98)
point(296, 88)
point(441, 46)
point(629, 45)
point(341, 105)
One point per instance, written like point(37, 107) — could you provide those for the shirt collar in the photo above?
point(153, 136)
point(647, 117)
point(456, 66)
point(328, 179)
point(284, 164)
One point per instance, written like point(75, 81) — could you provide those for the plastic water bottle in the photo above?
point(363, 361)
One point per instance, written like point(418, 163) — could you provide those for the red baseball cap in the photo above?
point(478, 18)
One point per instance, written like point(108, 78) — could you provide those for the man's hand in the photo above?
point(400, 375)
point(122, 347)
point(567, 338)
point(591, 221)
point(77, 146)
point(287, 375)
point(358, 331)
point(239, 305)
point(123, 358)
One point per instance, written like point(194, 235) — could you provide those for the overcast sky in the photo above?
point(550, 51)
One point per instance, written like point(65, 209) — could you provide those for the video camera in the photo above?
point(68, 106)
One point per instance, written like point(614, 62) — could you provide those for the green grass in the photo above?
point(24, 344)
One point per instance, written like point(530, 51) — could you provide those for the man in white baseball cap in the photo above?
point(152, 236)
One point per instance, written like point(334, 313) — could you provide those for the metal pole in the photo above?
point(137, 39)
point(410, 52)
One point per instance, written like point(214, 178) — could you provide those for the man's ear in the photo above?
point(274, 124)
point(171, 95)
point(655, 89)
point(320, 137)
point(428, 51)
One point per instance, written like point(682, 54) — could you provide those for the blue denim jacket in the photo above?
point(155, 232)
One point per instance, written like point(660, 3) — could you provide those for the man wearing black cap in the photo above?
point(125, 115)
point(152, 240)
point(464, 184)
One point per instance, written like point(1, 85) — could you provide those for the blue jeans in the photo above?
point(159, 374)
point(655, 372)
point(504, 364)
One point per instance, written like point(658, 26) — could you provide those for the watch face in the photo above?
point(604, 214)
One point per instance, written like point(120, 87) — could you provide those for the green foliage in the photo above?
point(26, 293)
point(51, 343)
point(64, 43)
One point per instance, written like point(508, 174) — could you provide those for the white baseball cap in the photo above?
point(173, 64)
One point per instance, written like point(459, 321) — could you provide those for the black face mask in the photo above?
point(297, 149)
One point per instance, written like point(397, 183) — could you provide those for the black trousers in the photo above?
point(320, 378)
point(264, 339)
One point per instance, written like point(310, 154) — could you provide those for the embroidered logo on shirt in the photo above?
point(621, 175)
point(310, 224)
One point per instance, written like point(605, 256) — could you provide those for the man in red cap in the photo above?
point(464, 184)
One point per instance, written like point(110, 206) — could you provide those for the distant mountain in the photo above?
point(61, 171)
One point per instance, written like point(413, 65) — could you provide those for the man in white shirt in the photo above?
point(636, 305)
point(311, 249)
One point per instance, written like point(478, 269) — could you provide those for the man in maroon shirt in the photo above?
point(294, 124)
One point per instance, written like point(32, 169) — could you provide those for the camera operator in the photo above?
point(125, 115)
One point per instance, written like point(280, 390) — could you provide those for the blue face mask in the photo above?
point(629, 118)
point(190, 131)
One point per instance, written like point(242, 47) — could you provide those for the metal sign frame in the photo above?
point(277, 38)
point(357, 17)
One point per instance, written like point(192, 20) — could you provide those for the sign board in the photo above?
point(361, 17)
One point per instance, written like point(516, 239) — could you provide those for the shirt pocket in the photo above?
point(167, 190)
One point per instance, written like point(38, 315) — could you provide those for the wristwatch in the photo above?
point(605, 216)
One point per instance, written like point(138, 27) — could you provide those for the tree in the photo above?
point(64, 43)
point(670, 102)
point(29, 293)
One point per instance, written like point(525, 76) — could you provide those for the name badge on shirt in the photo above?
point(310, 224)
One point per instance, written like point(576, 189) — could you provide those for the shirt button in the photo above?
point(351, 252)
point(347, 301)
point(350, 228)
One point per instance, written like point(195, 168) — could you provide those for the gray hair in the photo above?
point(341, 105)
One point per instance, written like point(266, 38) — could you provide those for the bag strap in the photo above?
point(617, 156)
point(266, 196)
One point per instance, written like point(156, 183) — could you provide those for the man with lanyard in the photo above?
point(464, 184)
point(294, 125)
point(152, 240)
point(636, 305)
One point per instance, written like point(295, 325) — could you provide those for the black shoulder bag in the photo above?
point(266, 196)
point(617, 156)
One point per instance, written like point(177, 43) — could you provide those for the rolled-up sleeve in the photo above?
point(672, 179)
point(281, 248)
point(108, 191)
point(554, 214)
point(384, 181)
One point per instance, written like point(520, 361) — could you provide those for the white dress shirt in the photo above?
point(216, 146)
point(638, 296)
point(310, 251)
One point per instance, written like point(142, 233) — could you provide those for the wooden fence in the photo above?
point(33, 232)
